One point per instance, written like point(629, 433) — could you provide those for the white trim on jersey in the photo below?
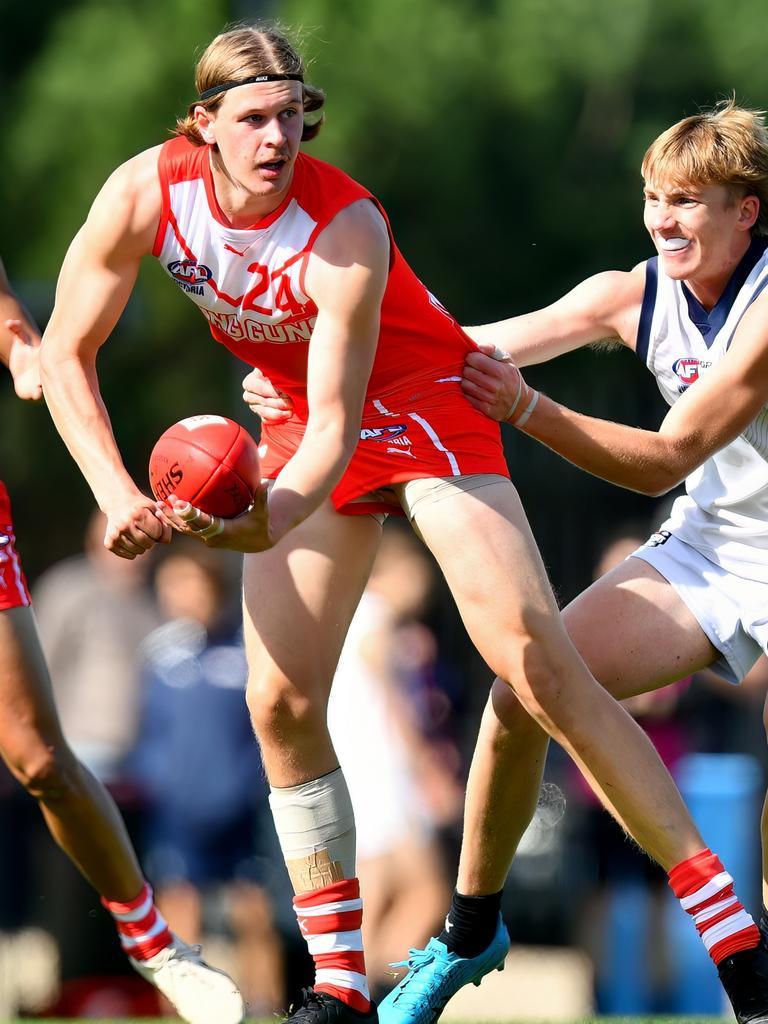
point(434, 438)
point(428, 429)
point(17, 574)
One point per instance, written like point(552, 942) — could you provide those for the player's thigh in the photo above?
point(299, 597)
point(485, 548)
point(28, 716)
point(634, 632)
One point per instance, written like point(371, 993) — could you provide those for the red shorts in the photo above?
point(433, 433)
point(13, 586)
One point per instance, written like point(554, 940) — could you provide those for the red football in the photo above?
point(210, 461)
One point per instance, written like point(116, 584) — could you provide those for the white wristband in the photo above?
point(516, 402)
point(525, 415)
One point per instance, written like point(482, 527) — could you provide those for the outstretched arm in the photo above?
point(606, 306)
point(19, 342)
point(95, 282)
point(714, 411)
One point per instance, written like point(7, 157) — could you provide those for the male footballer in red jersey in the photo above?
point(79, 812)
point(294, 267)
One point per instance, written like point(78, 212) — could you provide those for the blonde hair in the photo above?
point(243, 52)
point(727, 145)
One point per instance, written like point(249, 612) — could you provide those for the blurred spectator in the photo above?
point(93, 611)
point(401, 787)
point(201, 772)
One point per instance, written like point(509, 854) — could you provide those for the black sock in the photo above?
point(763, 925)
point(471, 923)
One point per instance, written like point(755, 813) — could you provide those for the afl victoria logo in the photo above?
point(190, 271)
point(383, 433)
point(687, 370)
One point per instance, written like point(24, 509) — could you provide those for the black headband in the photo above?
point(216, 89)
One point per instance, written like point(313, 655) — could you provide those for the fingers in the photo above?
point(193, 521)
point(484, 407)
point(252, 376)
point(489, 349)
point(479, 379)
point(263, 398)
point(271, 415)
point(133, 532)
point(485, 363)
point(19, 328)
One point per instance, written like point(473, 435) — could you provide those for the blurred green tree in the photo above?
point(504, 138)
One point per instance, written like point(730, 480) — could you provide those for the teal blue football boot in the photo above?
point(434, 975)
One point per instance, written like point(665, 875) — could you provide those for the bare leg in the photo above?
point(512, 618)
point(502, 791)
point(79, 812)
point(299, 600)
point(626, 659)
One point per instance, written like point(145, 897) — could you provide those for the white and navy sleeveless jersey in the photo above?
point(724, 513)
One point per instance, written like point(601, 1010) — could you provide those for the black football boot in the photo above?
point(321, 1008)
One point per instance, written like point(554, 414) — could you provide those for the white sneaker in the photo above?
point(200, 994)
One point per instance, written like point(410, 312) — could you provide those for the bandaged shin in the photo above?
point(316, 828)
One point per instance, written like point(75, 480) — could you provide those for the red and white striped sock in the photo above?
point(141, 927)
point(705, 891)
point(330, 920)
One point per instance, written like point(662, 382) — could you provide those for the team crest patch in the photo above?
point(383, 433)
point(190, 274)
point(687, 370)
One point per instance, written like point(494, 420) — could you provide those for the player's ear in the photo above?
point(205, 124)
point(750, 211)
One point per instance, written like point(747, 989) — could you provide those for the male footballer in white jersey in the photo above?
point(697, 315)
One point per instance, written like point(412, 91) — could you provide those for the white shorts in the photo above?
point(732, 611)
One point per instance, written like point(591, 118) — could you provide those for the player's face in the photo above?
point(257, 130)
point(700, 232)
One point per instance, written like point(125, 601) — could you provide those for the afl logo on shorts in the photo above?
point(190, 272)
point(383, 433)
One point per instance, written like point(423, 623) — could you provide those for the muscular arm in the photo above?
point(714, 411)
point(19, 342)
point(604, 306)
point(96, 279)
point(346, 277)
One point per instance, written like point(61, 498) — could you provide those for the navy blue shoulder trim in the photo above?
point(646, 310)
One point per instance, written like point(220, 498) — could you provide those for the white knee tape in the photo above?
point(315, 824)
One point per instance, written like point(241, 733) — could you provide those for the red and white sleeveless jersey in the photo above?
point(249, 284)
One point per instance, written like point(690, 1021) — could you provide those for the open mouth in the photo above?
point(674, 244)
point(273, 167)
